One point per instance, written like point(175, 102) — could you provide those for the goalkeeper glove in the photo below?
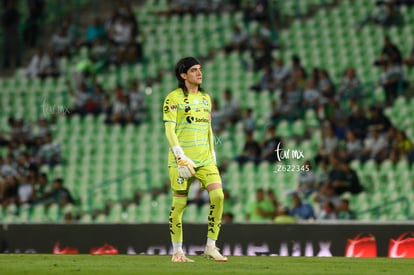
point(185, 165)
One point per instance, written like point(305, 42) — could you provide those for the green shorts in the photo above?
point(206, 174)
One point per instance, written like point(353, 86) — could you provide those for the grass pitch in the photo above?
point(119, 264)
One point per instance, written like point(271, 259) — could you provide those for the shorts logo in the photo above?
point(212, 174)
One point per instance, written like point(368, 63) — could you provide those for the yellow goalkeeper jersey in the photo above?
point(192, 117)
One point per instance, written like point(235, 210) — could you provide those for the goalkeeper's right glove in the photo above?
point(185, 165)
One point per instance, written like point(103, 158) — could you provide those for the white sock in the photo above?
point(177, 247)
point(211, 242)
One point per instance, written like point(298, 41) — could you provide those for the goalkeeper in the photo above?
point(187, 120)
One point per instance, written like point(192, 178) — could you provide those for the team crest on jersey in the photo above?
point(173, 107)
point(166, 107)
point(180, 180)
point(205, 101)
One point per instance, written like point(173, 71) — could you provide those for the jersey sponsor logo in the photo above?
point(191, 119)
point(205, 120)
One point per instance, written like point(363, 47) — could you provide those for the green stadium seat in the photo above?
point(101, 218)
point(298, 128)
point(86, 218)
point(38, 213)
point(283, 129)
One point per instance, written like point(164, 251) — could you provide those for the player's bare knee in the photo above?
point(213, 186)
point(180, 194)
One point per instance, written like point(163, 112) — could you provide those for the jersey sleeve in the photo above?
point(210, 129)
point(170, 109)
point(209, 102)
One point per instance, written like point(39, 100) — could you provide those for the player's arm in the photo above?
point(170, 134)
point(211, 141)
point(185, 165)
point(170, 118)
point(211, 136)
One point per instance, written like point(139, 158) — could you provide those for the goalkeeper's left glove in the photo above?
point(186, 167)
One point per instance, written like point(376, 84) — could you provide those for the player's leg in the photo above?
point(210, 179)
point(179, 201)
point(215, 212)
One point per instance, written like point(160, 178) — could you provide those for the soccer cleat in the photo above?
point(212, 252)
point(179, 257)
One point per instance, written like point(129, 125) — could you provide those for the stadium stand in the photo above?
point(106, 165)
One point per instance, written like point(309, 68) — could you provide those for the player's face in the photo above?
point(194, 75)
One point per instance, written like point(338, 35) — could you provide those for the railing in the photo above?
point(377, 210)
point(118, 180)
